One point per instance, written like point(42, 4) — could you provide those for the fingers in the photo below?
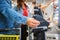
point(36, 22)
point(31, 22)
point(33, 25)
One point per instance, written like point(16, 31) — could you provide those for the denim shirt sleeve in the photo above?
point(14, 16)
point(20, 10)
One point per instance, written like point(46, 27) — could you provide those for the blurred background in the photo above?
point(50, 12)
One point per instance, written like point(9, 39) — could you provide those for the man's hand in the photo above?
point(31, 22)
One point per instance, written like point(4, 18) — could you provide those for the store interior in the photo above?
point(45, 11)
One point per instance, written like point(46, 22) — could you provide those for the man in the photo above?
point(8, 16)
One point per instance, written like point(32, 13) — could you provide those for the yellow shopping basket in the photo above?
point(9, 37)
